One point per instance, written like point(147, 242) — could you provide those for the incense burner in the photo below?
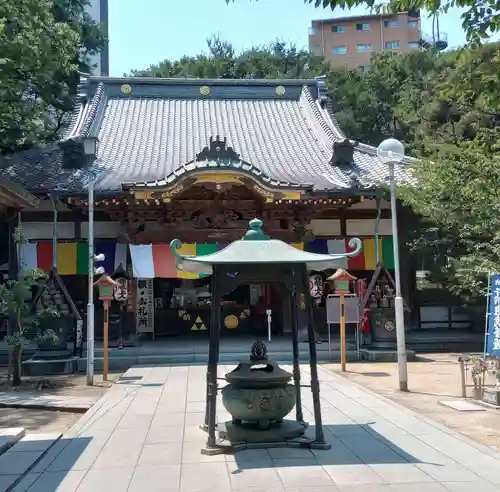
point(258, 392)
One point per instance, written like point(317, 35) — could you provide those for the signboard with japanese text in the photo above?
point(144, 313)
point(493, 336)
point(121, 289)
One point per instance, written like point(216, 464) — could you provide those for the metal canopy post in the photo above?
point(319, 436)
point(375, 233)
point(213, 359)
point(296, 356)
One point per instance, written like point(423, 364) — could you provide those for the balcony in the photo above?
point(438, 41)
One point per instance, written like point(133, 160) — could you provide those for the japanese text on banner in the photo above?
point(493, 340)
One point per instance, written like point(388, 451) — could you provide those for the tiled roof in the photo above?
point(150, 130)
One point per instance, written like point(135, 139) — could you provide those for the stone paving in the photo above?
point(143, 435)
point(37, 400)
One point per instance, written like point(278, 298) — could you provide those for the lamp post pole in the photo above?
point(398, 301)
point(391, 151)
point(90, 305)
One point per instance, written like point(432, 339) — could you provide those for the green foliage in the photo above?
point(445, 107)
point(15, 301)
point(41, 43)
point(276, 60)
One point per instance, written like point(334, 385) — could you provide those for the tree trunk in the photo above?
point(16, 363)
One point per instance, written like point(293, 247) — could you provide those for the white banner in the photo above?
point(144, 313)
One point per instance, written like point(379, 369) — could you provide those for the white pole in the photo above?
point(329, 341)
point(90, 305)
point(398, 301)
point(268, 312)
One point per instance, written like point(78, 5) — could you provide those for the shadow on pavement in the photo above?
point(22, 467)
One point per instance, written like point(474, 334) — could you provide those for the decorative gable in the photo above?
point(217, 149)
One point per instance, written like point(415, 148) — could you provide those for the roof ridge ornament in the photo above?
point(343, 153)
point(255, 233)
point(217, 149)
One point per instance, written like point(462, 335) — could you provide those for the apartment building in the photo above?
point(352, 41)
point(99, 11)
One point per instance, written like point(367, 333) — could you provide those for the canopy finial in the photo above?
point(255, 232)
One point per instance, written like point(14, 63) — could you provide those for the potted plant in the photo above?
point(15, 302)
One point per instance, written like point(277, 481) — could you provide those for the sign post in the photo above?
point(106, 293)
point(492, 342)
point(269, 321)
point(341, 280)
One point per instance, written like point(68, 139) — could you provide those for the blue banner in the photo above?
point(493, 337)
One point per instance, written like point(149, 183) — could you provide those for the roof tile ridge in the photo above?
point(84, 114)
point(91, 113)
point(330, 119)
point(79, 109)
point(316, 121)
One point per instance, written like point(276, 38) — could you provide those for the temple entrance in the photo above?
point(182, 309)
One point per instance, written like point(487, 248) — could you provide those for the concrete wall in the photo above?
point(322, 39)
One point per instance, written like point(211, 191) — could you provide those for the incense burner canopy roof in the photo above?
point(153, 131)
point(257, 248)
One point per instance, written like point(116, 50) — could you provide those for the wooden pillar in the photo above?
point(319, 436)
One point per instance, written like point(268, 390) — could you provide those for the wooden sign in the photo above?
point(341, 280)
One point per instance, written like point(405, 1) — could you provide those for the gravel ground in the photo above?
point(37, 421)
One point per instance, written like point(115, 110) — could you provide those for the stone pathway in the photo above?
point(38, 400)
point(144, 436)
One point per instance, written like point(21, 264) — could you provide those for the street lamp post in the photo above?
point(391, 151)
point(90, 151)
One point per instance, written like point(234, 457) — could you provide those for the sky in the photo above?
point(143, 33)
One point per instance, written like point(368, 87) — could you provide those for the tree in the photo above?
point(276, 60)
point(445, 108)
point(480, 20)
point(41, 43)
point(382, 101)
point(15, 297)
point(458, 194)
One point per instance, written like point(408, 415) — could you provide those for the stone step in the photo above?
point(124, 362)
point(23, 456)
point(10, 436)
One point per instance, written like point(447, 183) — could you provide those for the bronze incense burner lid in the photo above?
point(258, 372)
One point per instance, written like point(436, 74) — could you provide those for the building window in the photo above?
point(338, 28)
point(362, 68)
point(363, 47)
point(412, 24)
point(392, 45)
point(414, 45)
point(339, 50)
point(313, 31)
point(391, 23)
point(362, 27)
